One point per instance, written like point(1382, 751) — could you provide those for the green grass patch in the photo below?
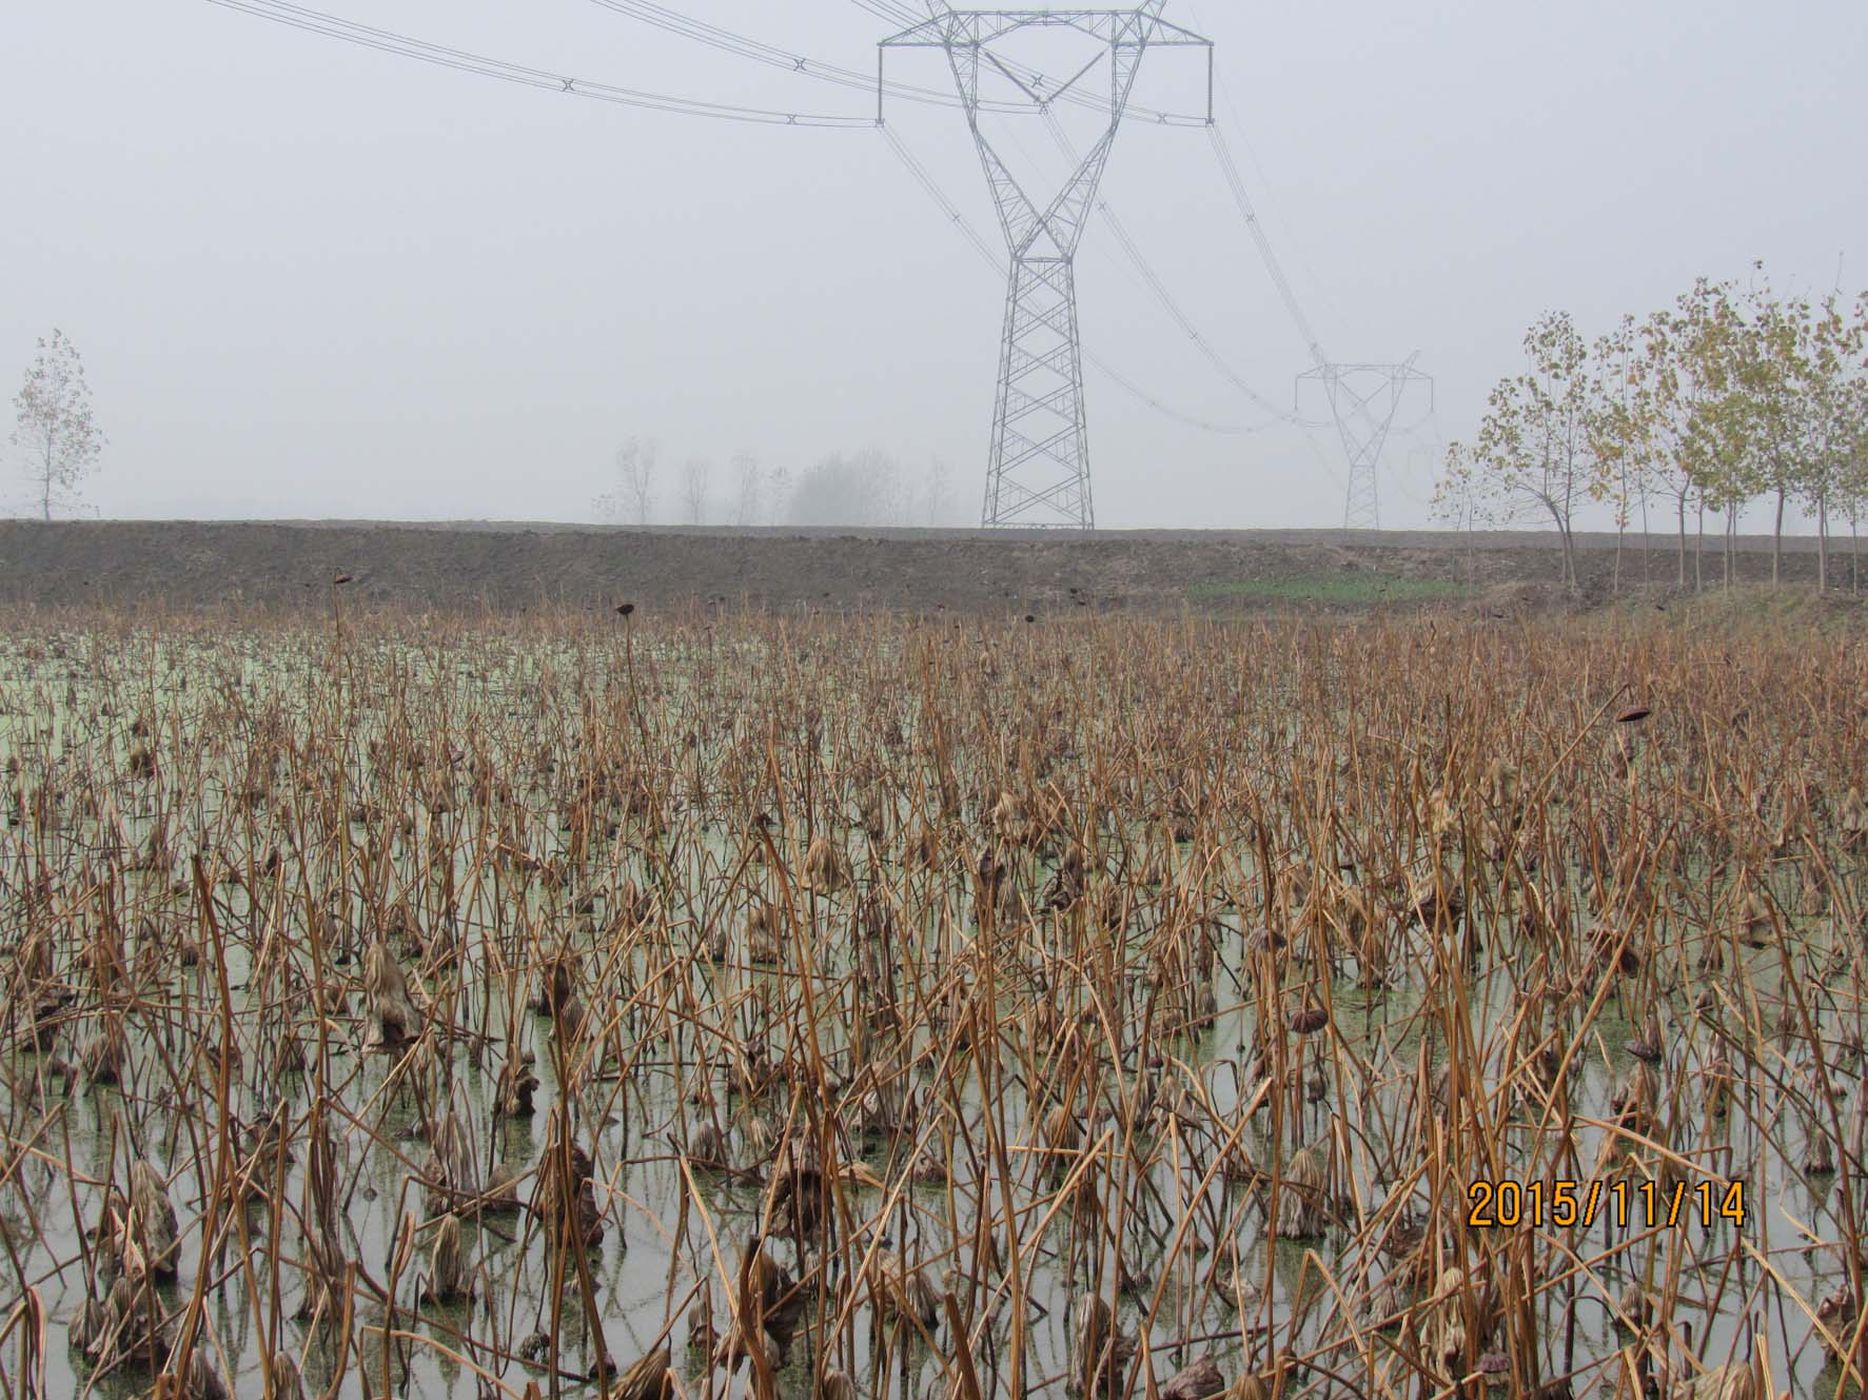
point(1351, 588)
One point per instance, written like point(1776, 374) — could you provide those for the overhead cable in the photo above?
point(465, 61)
point(1161, 294)
point(996, 260)
point(729, 41)
point(1236, 183)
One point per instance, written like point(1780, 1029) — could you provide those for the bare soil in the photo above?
point(515, 567)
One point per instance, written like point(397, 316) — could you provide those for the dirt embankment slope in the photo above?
point(289, 566)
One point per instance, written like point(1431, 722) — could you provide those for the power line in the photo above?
point(1287, 294)
point(739, 45)
point(1166, 298)
point(995, 260)
point(732, 42)
point(1236, 183)
point(381, 40)
point(1161, 293)
point(1241, 197)
point(959, 221)
point(466, 61)
point(891, 10)
point(893, 13)
point(927, 182)
point(1241, 127)
point(1361, 425)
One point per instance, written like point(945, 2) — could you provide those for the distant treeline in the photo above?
point(863, 488)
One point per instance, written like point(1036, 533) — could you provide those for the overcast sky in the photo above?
point(309, 279)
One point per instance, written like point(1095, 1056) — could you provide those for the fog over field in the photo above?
point(309, 279)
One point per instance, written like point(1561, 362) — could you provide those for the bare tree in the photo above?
point(694, 475)
point(940, 479)
point(746, 469)
point(1456, 500)
point(886, 495)
point(780, 493)
point(634, 495)
point(55, 429)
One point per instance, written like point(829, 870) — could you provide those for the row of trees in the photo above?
point(1730, 396)
point(863, 488)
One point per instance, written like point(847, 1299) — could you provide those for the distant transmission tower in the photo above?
point(1039, 470)
point(1364, 400)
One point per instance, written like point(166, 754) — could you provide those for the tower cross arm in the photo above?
point(1113, 26)
point(1162, 32)
point(1136, 26)
point(934, 33)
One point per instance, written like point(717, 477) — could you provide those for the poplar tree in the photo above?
point(54, 427)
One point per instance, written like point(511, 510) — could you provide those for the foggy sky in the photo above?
point(313, 280)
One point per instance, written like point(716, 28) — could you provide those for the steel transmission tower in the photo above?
point(1039, 471)
point(1364, 400)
